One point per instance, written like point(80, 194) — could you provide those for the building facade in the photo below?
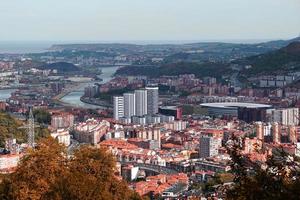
point(209, 146)
point(141, 102)
point(152, 97)
point(129, 104)
point(118, 102)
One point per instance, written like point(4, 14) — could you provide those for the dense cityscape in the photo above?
point(165, 120)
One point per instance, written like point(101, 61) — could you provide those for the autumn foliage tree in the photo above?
point(48, 173)
point(277, 179)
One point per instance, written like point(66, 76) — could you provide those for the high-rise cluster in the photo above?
point(139, 103)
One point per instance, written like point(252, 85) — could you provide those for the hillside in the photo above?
point(171, 51)
point(61, 67)
point(173, 69)
point(283, 60)
point(9, 128)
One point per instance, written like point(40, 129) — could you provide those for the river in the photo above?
point(5, 94)
point(73, 98)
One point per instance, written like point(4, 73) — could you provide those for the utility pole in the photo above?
point(30, 133)
point(30, 129)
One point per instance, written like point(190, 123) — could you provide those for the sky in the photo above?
point(138, 20)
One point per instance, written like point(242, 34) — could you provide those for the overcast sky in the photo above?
point(117, 20)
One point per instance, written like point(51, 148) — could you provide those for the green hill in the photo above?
point(61, 67)
point(286, 59)
point(173, 69)
point(9, 128)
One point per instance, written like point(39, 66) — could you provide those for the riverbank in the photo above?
point(6, 93)
point(74, 98)
point(96, 102)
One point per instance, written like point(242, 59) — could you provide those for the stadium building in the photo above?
point(247, 112)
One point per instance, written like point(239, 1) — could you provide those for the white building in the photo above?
point(62, 136)
point(62, 120)
point(118, 102)
point(139, 120)
point(152, 98)
point(153, 119)
point(298, 149)
point(91, 131)
point(141, 102)
point(176, 125)
point(129, 104)
point(9, 162)
point(285, 116)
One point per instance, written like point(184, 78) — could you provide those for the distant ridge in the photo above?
point(286, 59)
point(293, 48)
point(61, 67)
point(99, 45)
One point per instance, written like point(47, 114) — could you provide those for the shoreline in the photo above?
point(100, 103)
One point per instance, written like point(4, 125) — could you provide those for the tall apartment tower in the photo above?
point(286, 116)
point(152, 95)
point(118, 102)
point(276, 132)
point(259, 131)
point(209, 146)
point(141, 102)
point(129, 105)
point(292, 134)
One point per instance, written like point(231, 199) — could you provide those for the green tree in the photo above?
point(9, 128)
point(42, 116)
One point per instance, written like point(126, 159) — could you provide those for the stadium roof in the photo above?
point(235, 105)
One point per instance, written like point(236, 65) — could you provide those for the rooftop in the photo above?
point(235, 104)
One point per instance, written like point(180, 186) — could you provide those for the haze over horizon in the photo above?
point(142, 20)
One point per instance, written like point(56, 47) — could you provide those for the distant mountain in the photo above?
point(201, 52)
point(278, 43)
point(286, 59)
point(61, 67)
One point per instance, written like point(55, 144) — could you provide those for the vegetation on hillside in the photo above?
point(47, 173)
point(10, 128)
point(174, 69)
point(283, 60)
point(108, 96)
point(42, 116)
point(61, 67)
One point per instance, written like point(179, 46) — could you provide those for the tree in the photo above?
point(278, 178)
point(48, 173)
point(92, 176)
point(39, 171)
point(42, 116)
point(9, 128)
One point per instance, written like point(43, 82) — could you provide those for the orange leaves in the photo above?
point(47, 173)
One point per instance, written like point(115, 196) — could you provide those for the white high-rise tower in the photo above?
point(152, 98)
point(141, 102)
point(118, 102)
point(129, 104)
